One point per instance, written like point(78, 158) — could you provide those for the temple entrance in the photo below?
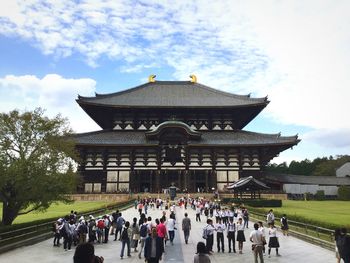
point(186, 181)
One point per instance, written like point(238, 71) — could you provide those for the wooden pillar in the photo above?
point(179, 179)
point(151, 182)
point(206, 180)
point(157, 174)
point(186, 173)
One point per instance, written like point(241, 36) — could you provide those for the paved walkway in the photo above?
point(292, 249)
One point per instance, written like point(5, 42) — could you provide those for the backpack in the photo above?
point(101, 224)
point(205, 233)
point(143, 230)
point(125, 235)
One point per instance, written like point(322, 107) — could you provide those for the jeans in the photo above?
point(142, 245)
point(246, 223)
point(171, 235)
point(127, 243)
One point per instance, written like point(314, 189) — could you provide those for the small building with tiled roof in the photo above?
point(165, 132)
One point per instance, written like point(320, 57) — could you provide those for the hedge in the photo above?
point(254, 202)
point(344, 193)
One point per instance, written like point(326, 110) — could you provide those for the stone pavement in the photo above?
point(292, 249)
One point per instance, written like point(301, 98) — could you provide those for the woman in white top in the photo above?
point(273, 240)
point(240, 234)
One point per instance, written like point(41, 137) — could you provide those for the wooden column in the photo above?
point(185, 186)
point(179, 179)
point(157, 173)
point(206, 179)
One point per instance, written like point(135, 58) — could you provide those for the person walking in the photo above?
point(240, 235)
point(201, 255)
point(273, 240)
point(198, 213)
point(143, 235)
point(171, 228)
point(186, 227)
point(120, 224)
point(231, 230)
point(135, 233)
point(284, 225)
point(153, 247)
point(161, 230)
point(125, 238)
point(220, 228)
point(257, 238)
point(245, 217)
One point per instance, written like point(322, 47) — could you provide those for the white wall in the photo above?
point(309, 188)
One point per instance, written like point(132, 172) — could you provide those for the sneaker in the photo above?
point(139, 256)
point(278, 255)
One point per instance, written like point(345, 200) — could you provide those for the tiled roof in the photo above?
point(215, 138)
point(247, 181)
point(172, 94)
point(302, 179)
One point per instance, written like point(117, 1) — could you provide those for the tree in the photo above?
point(35, 162)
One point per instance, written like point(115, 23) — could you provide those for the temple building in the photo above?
point(172, 132)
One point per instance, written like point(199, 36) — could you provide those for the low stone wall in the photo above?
point(125, 197)
point(102, 197)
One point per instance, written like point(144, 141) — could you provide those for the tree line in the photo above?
point(324, 166)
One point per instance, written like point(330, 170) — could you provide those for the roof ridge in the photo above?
point(144, 85)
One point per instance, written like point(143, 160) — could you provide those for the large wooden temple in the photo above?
point(179, 132)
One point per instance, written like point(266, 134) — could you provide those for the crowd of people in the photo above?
point(148, 237)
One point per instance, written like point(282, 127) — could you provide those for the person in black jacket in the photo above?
point(153, 247)
point(343, 244)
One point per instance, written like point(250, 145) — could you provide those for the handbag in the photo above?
point(136, 237)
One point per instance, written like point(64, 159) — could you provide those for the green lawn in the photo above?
point(334, 212)
point(58, 210)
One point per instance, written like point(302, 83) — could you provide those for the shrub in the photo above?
point(344, 193)
point(308, 196)
point(320, 196)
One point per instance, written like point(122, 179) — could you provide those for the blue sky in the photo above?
point(296, 52)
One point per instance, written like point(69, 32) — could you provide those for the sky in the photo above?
point(295, 52)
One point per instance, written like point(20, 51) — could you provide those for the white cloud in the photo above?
point(52, 92)
point(294, 51)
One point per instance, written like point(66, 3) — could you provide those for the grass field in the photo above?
point(332, 212)
point(58, 210)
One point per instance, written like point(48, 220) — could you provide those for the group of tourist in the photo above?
point(148, 237)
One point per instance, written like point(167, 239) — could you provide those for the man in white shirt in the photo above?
point(257, 238)
point(220, 228)
point(231, 230)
